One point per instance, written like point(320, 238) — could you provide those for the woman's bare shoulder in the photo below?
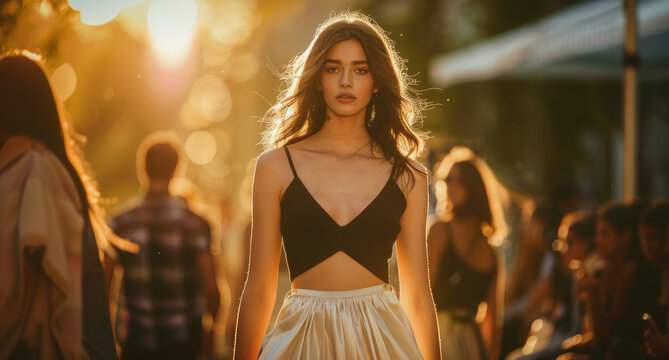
point(273, 164)
point(417, 168)
point(416, 175)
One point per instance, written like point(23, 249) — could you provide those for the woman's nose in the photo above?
point(345, 80)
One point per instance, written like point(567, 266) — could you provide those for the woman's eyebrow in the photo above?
point(354, 62)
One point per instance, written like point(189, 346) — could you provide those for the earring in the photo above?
point(372, 114)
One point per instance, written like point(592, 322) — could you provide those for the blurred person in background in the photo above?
point(654, 233)
point(170, 285)
point(465, 270)
point(615, 297)
point(340, 185)
point(554, 311)
point(52, 287)
point(531, 266)
point(564, 198)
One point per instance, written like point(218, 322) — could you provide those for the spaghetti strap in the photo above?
point(290, 161)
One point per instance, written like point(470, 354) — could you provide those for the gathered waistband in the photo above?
point(459, 314)
point(342, 293)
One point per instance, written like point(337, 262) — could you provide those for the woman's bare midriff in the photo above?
point(339, 272)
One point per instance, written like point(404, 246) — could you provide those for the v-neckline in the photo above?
point(313, 199)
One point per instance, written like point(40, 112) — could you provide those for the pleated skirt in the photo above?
point(367, 323)
point(460, 337)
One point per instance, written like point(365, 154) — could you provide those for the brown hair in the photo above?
point(486, 200)
point(300, 108)
point(657, 216)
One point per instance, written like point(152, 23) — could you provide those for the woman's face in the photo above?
point(609, 243)
point(653, 244)
point(577, 247)
point(455, 189)
point(346, 81)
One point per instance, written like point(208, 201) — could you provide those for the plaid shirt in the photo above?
point(162, 292)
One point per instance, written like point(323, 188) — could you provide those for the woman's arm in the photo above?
point(260, 290)
point(415, 294)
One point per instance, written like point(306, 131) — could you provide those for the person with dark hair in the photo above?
point(52, 287)
point(464, 267)
point(340, 185)
point(173, 273)
point(654, 233)
point(554, 311)
point(613, 297)
point(653, 229)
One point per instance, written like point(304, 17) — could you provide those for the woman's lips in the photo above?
point(345, 98)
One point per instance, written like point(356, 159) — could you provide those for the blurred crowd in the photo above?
point(567, 279)
point(584, 281)
point(596, 290)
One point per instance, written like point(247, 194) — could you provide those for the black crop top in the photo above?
point(310, 235)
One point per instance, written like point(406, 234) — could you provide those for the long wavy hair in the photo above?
point(486, 196)
point(300, 108)
point(28, 106)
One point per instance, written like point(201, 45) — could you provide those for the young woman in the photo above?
point(613, 298)
point(341, 187)
point(49, 253)
point(464, 267)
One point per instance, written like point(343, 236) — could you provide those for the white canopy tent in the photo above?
point(585, 40)
point(589, 40)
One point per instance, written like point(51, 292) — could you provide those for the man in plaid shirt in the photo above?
point(170, 280)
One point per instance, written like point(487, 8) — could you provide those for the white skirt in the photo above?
point(367, 323)
point(460, 337)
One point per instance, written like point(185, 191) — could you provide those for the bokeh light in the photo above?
point(64, 81)
point(224, 142)
point(209, 102)
point(215, 100)
point(45, 8)
point(200, 147)
point(97, 12)
point(191, 117)
point(172, 25)
point(244, 67)
point(231, 22)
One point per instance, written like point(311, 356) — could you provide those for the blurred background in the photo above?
point(535, 88)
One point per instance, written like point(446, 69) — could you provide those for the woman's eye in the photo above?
point(361, 71)
point(331, 69)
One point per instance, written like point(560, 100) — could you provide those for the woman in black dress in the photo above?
point(464, 266)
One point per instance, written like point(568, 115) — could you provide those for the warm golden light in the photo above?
point(45, 8)
point(214, 98)
point(244, 67)
point(200, 147)
point(209, 102)
point(64, 81)
point(108, 94)
point(172, 25)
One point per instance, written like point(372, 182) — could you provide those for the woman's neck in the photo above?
point(343, 136)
